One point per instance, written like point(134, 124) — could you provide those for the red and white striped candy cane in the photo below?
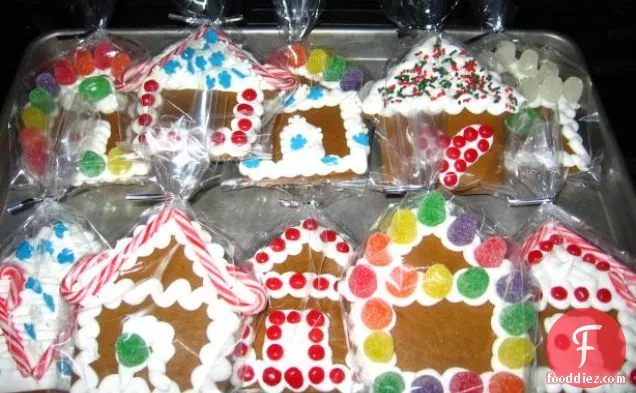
point(16, 276)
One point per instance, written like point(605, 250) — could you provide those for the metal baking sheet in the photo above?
point(609, 207)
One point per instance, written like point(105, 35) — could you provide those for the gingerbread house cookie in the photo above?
point(436, 307)
point(210, 62)
point(160, 311)
point(573, 274)
point(299, 343)
point(469, 103)
point(34, 320)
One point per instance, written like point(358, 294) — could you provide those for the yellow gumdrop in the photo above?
point(119, 161)
point(403, 229)
point(33, 117)
point(317, 62)
point(516, 352)
point(438, 281)
point(378, 347)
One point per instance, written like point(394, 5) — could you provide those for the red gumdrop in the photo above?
point(64, 72)
point(491, 252)
point(294, 377)
point(296, 55)
point(32, 139)
point(83, 62)
point(104, 54)
point(37, 161)
point(362, 281)
point(466, 382)
point(121, 62)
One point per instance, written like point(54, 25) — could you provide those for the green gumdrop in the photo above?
point(432, 210)
point(517, 319)
point(389, 382)
point(92, 164)
point(41, 99)
point(335, 70)
point(522, 122)
point(132, 350)
point(95, 88)
point(473, 282)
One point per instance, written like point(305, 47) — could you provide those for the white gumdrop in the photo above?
point(551, 89)
point(505, 53)
point(527, 63)
point(548, 69)
point(487, 59)
point(530, 88)
point(573, 89)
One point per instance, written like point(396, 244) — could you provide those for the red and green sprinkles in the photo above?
point(440, 73)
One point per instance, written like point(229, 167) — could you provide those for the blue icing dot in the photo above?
point(211, 36)
point(210, 82)
point(24, 250)
point(252, 162)
point(171, 67)
point(362, 139)
point(298, 142)
point(200, 62)
point(188, 53)
point(191, 68)
point(64, 368)
point(217, 59)
point(59, 228)
point(290, 101)
point(34, 285)
point(238, 73)
point(45, 247)
point(66, 256)
point(315, 93)
point(330, 160)
point(225, 79)
point(48, 300)
point(30, 329)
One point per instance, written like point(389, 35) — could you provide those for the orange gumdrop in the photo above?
point(120, 64)
point(296, 55)
point(504, 382)
point(403, 281)
point(376, 252)
point(377, 314)
point(83, 62)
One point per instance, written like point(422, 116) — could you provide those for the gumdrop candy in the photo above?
point(389, 382)
point(132, 350)
point(504, 382)
point(403, 229)
point(296, 55)
point(473, 282)
point(517, 319)
point(46, 80)
point(34, 146)
point(514, 287)
point(522, 122)
point(64, 72)
point(104, 54)
point(362, 282)
point(432, 211)
point(426, 384)
point(119, 160)
point(33, 117)
point(352, 79)
point(121, 62)
point(528, 61)
point(438, 281)
point(551, 89)
point(530, 88)
point(317, 61)
point(377, 252)
point(92, 164)
point(573, 89)
point(466, 382)
point(516, 352)
point(335, 70)
point(462, 231)
point(83, 62)
point(378, 346)
point(377, 314)
point(506, 52)
point(40, 98)
point(402, 281)
point(95, 88)
point(491, 252)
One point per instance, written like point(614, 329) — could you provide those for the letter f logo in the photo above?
point(583, 345)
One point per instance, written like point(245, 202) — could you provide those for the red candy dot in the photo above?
point(581, 294)
point(277, 317)
point(249, 94)
point(316, 375)
point(246, 373)
point(443, 142)
point(545, 246)
point(470, 134)
point(294, 377)
point(271, 376)
point(310, 224)
point(261, 257)
point(245, 109)
point(320, 283)
point(362, 281)
point(316, 352)
point(470, 155)
point(562, 342)
point(452, 153)
point(147, 99)
point(274, 283)
point(603, 266)
point(275, 352)
point(293, 317)
point(337, 375)
point(104, 54)
point(460, 165)
point(244, 124)
point(316, 335)
point(342, 247)
point(218, 138)
point(443, 166)
point(466, 382)
point(151, 85)
point(64, 72)
point(485, 131)
point(574, 250)
point(292, 234)
point(632, 376)
point(144, 119)
point(556, 239)
point(535, 256)
point(559, 293)
point(239, 138)
point(315, 318)
point(589, 258)
point(459, 141)
point(240, 350)
point(277, 244)
point(274, 332)
point(483, 145)
point(328, 235)
point(450, 179)
point(297, 281)
point(604, 295)
point(142, 139)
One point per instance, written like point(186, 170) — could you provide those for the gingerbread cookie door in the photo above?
point(435, 306)
point(299, 344)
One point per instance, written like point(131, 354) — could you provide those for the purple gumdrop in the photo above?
point(46, 81)
point(514, 287)
point(352, 79)
point(426, 384)
point(462, 231)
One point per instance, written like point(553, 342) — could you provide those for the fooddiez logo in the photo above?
point(585, 349)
